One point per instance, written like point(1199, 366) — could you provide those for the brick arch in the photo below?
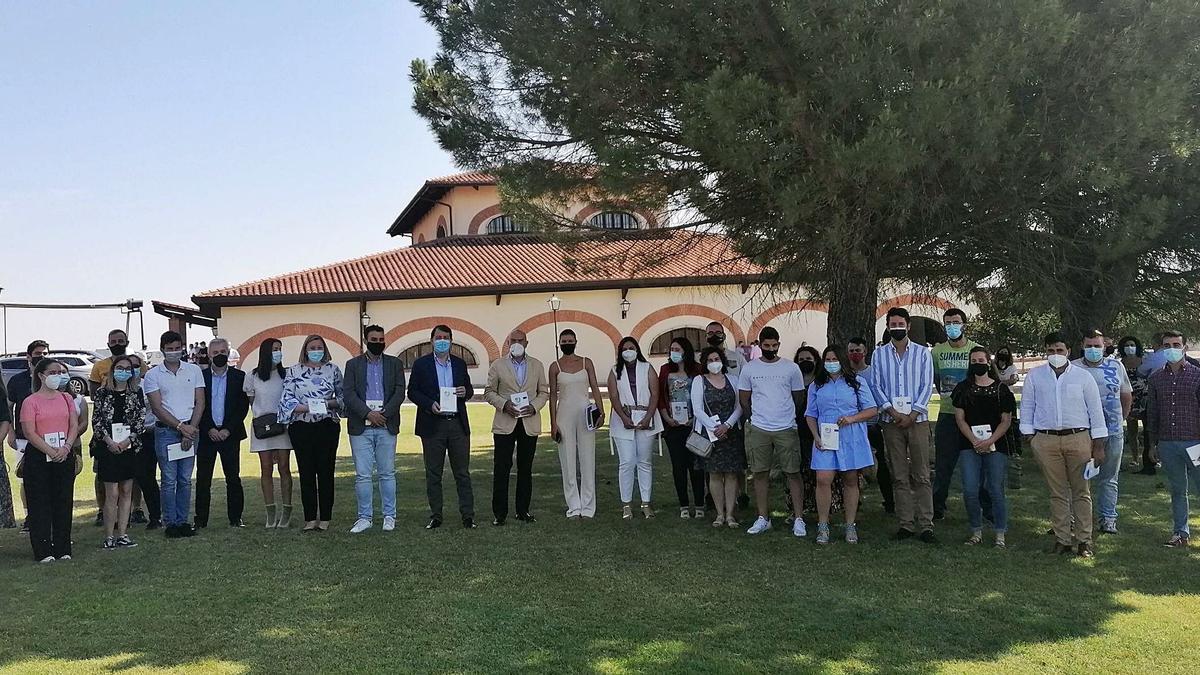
point(639, 331)
point(591, 210)
point(571, 316)
point(457, 325)
point(250, 345)
point(782, 308)
point(482, 217)
point(910, 299)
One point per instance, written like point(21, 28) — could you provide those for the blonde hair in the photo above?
point(304, 349)
point(133, 383)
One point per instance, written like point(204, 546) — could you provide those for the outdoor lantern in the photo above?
point(624, 307)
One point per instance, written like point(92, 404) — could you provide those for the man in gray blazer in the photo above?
point(373, 388)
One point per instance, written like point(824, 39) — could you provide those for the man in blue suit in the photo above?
point(436, 377)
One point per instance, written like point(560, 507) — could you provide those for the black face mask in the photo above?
point(220, 360)
point(807, 367)
point(716, 340)
point(376, 348)
point(978, 369)
point(117, 350)
point(33, 361)
point(567, 349)
point(898, 334)
point(769, 354)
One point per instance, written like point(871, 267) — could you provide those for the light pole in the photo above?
point(555, 304)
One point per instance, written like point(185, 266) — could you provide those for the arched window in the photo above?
point(410, 355)
point(504, 225)
point(662, 344)
point(613, 220)
point(441, 232)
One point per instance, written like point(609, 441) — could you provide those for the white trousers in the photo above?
point(577, 459)
point(635, 454)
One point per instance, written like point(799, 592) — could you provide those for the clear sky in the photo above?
point(153, 150)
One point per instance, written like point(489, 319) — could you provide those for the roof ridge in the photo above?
point(306, 270)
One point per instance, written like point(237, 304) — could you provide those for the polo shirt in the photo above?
point(178, 389)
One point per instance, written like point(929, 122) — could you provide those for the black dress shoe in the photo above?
point(171, 532)
point(186, 530)
point(498, 522)
point(434, 523)
point(903, 534)
point(1060, 549)
point(201, 525)
point(154, 525)
point(138, 517)
point(527, 518)
point(928, 537)
point(237, 523)
point(469, 523)
point(939, 515)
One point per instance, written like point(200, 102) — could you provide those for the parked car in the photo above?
point(11, 365)
point(78, 362)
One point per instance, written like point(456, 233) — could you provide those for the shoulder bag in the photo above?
point(700, 444)
point(268, 426)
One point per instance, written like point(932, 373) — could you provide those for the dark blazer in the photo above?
point(237, 405)
point(354, 392)
point(423, 390)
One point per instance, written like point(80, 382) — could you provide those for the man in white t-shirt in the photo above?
point(770, 393)
point(715, 334)
point(175, 390)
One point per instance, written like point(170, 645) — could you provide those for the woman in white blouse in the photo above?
point(633, 392)
point(718, 413)
point(264, 387)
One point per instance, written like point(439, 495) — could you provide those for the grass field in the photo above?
point(650, 596)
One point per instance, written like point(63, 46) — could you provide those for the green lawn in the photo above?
point(649, 596)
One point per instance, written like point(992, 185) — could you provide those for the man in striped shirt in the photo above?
point(902, 372)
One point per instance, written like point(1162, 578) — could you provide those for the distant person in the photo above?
point(434, 378)
point(222, 430)
point(264, 388)
point(50, 422)
point(635, 424)
point(856, 352)
point(118, 426)
point(718, 412)
point(715, 336)
point(175, 391)
point(312, 406)
point(1116, 397)
point(146, 477)
point(8, 519)
point(515, 425)
point(20, 386)
point(1173, 419)
point(756, 351)
point(675, 408)
point(374, 391)
point(949, 368)
point(985, 404)
point(837, 398)
point(1063, 418)
point(1137, 437)
point(202, 355)
point(903, 374)
point(1006, 368)
point(572, 376)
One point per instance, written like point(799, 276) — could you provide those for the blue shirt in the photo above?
point(836, 399)
point(445, 372)
point(1112, 379)
point(374, 379)
point(909, 376)
point(520, 367)
point(1153, 361)
point(220, 384)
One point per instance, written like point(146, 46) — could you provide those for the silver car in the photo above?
point(78, 362)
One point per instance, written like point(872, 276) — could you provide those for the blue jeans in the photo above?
point(979, 472)
point(1181, 474)
point(176, 483)
point(374, 451)
point(1106, 481)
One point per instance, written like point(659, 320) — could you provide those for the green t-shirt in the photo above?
point(950, 366)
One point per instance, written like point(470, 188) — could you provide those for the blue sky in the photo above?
point(158, 149)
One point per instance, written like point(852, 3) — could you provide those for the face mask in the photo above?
point(770, 354)
point(117, 350)
point(1174, 354)
point(676, 357)
point(276, 358)
point(35, 360)
point(441, 346)
point(857, 358)
point(954, 330)
point(220, 360)
point(122, 375)
point(714, 367)
point(807, 367)
point(517, 350)
point(1130, 350)
point(898, 334)
point(1057, 360)
point(833, 367)
point(567, 349)
point(315, 355)
point(375, 348)
point(978, 369)
point(1093, 354)
point(172, 357)
point(1002, 356)
point(57, 382)
point(630, 355)
point(716, 340)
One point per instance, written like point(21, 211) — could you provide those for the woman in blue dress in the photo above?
point(841, 406)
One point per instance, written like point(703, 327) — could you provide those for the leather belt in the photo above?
point(1061, 432)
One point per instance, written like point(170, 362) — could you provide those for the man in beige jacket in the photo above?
point(518, 390)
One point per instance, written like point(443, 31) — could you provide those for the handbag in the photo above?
point(268, 426)
point(700, 444)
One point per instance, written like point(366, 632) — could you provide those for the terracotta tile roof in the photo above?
point(466, 178)
point(429, 194)
point(488, 264)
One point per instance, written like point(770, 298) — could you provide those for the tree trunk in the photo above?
point(853, 297)
point(1091, 301)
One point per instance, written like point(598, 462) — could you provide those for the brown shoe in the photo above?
point(1177, 540)
point(1085, 551)
point(1059, 549)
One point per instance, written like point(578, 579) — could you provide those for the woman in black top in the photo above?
point(118, 424)
point(985, 408)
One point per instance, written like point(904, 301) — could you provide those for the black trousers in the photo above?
point(316, 445)
point(448, 440)
point(230, 452)
point(683, 466)
point(883, 474)
point(525, 446)
point(147, 477)
point(50, 494)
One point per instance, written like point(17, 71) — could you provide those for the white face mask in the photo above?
point(630, 355)
point(1057, 360)
point(714, 367)
point(517, 350)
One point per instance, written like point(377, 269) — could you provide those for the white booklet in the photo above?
point(520, 401)
point(829, 436)
point(902, 404)
point(318, 406)
point(982, 432)
point(637, 416)
point(175, 452)
point(449, 400)
point(1193, 452)
point(120, 433)
point(681, 412)
point(1090, 470)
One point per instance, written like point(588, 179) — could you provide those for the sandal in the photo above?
point(975, 540)
point(719, 521)
point(647, 511)
point(626, 512)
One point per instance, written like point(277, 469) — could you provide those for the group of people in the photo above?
point(823, 421)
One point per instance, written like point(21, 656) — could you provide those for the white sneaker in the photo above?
point(47, 559)
point(761, 525)
point(798, 528)
point(389, 523)
point(65, 557)
point(361, 525)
